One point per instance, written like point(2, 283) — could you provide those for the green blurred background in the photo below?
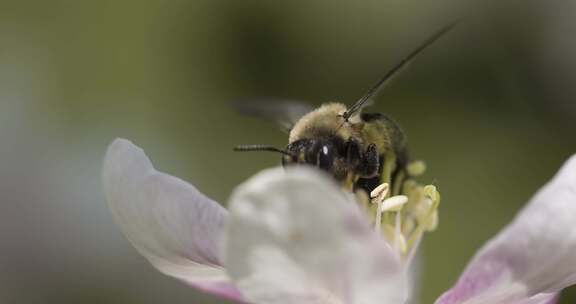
point(490, 108)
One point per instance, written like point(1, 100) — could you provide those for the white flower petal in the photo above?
point(172, 224)
point(414, 280)
point(534, 254)
point(295, 237)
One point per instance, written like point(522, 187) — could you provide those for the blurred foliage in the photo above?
point(481, 107)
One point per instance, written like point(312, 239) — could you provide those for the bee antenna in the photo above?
point(244, 148)
point(396, 68)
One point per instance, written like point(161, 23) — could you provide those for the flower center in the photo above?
point(403, 219)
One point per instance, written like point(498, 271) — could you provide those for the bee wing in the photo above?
point(285, 113)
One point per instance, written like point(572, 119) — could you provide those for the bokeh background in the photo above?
point(490, 108)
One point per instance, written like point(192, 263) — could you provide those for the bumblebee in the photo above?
point(360, 150)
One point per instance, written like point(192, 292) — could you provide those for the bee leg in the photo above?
point(353, 157)
point(364, 164)
point(370, 162)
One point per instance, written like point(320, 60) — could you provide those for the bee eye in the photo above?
point(325, 158)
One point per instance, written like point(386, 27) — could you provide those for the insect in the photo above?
point(360, 150)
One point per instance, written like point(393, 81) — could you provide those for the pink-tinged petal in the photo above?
point(295, 238)
point(177, 228)
point(541, 298)
point(534, 254)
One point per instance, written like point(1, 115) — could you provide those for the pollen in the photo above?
point(403, 219)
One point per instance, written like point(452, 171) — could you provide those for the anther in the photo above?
point(380, 191)
point(394, 203)
point(378, 195)
point(416, 168)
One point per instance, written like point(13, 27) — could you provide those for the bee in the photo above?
point(360, 150)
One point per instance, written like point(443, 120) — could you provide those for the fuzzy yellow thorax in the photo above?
point(326, 117)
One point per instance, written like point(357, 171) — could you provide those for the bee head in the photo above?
point(341, 158)
point(324, 153)
point(344, 159)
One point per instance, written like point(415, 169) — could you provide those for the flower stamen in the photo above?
point(378, 196)
point(403, 219)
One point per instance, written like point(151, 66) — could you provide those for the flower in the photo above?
point(292, 236)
